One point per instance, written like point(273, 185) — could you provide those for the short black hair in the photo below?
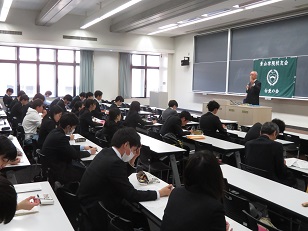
point(48, 93)
point(39, 96)
point(24, 97)
point(98, 93)
point(68, 119)
point(173, 103)
point(54, 110)
point(212, 105)
point(8, 200)
point(37, 103)
point(89, 102)
point(280, 123)
point(89, 94)
point(119, 98)
point(7, 148)
point(134, 106)
point(10, 90)
point(68, 98)
point(20, 93)
point(77, 105)
point(124, 135)
point(186, 115)
point(269, 128)
point(203, 172)
point(113, 113)
point(82, 94)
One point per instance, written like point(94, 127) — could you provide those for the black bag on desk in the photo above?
point(170, 138)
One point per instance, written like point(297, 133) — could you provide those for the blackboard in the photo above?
point(287, 37)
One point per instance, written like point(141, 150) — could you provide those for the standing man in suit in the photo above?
point(264, 153)
point(210, 122)
point(7, 98)
point(170, 111)
point(106, 180)
point(253, 89)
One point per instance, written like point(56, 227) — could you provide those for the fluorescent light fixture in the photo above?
point(212, 17)
point(110, 13)
point(167, 26)
point(261, 3)
point(5, 9)
point(160, 31)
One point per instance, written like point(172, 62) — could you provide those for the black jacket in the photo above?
point(7, 100)
point(85, 119)
point(97, 111)
point(16, 111)
point(173, 125)
point(253, 93)
point(62, 105)
point(133, 119)
point(48, 124)
point(210, 123)
point(193, 210)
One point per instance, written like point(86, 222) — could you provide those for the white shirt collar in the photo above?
point(117, 152)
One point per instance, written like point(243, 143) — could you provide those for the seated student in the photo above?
point(16, 110)
point(54, 102)
point(47, 95)
point(210, 123)
point(175, 123)
point(201, 196)
point(97, 111)
point(117, 102)
point(17, 99)
point(281, 125)
point(7, 98)
point(86, 122)
point(89, 95)
point(25, 108)
point(77, 108)
point(8, 201)
point(49, 122)
point(106, 180)
point(79, 98)
point(170, 111)
point(133, 119)
point(8, 152)
point(253, 132)
point(264, 153)
point(64, 102)
point(33, 120)
point(60, 155)
point(113, 124)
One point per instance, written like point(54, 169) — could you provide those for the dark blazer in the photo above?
point(110, 127)
point(193, 210)
point(7, 100)
point(54, 102)
point(113, 106)
point(59, 155)
point(14, 101)
point(48, 124)
point(106, 179)
point(168, 112)
point(266, 154)
point(25, 109)
point(253, 132)
point(173, 125)
point(16, 111)
point(97, 112)
point(62, 105)
point(76, 99)
point(210, 123)
point(85, 121)
point(133, 119)
point(253, 93)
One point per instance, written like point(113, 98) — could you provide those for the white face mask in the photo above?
point(127, 158)
point(70, 132)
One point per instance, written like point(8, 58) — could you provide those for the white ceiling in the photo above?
point(146, 16)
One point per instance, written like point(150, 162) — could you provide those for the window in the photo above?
point(39, 70)
point(145, 74)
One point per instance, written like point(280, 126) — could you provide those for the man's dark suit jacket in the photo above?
point(62, 105)
point(54, 102)
point(266, 154)
point(14, 101)
point(168, 112)
point(111, 127)
point(59, 155)
point(85, 120)
point(253, 93)
point(97, 111)
point(16, 111)
point(173, 125)
point(48, 124)
point(76, 99)
point(7, 100)
point(210, 123)
point(208, 212)
point(133, 119)
point(106, 179)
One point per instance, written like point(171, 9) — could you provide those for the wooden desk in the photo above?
point(271, 192)
point(155, 209)
point(49, 217)
point(86, 143)
point(161, 147)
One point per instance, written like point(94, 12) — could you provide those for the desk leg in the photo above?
point(238, 159)
point(175, 171)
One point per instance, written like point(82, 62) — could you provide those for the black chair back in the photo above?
point(295, 147)
point(254, 223)
point(155, 135)
point(203, 147)
point(256, 171)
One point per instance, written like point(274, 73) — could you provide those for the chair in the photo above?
point(117, 223)
point(71, 206)
point(256, 171)
point(203, 147)
point(295, 147)
point(148, 163)
point(234, 205)
point(256, 225)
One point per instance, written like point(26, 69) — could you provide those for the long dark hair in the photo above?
point(8, 200)
point(203, 172)
point(134, 106)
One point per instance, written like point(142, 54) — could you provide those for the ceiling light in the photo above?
point(5, 9)
point(167, 26)
point(110, 13)
point(260, 3)
point(160, 31)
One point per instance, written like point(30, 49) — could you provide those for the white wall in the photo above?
point(293, 112)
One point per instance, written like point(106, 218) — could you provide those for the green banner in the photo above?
point(277, 76)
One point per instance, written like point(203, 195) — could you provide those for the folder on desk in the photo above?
point(195, 137)
point(296, 163)
point(20, 188)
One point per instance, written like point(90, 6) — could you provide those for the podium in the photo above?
point(249, 115)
